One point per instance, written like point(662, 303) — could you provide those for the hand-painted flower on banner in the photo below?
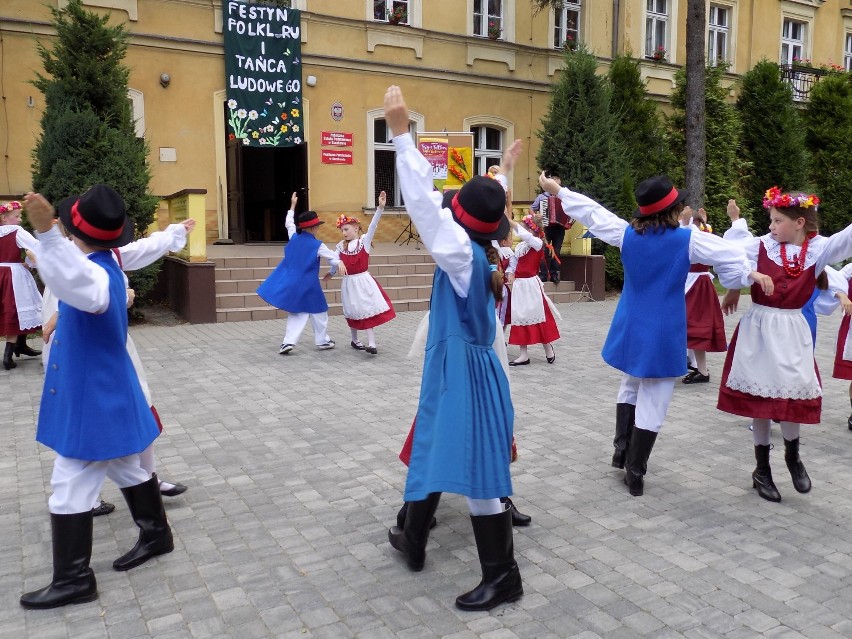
point(263, 73)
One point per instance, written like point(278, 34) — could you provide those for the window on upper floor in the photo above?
point(719, 26)
point(394, 11)
point(793, 35)
point(847, 53)
point(385, 177)
point(487, 147)
point(488, 18)
point(566, 25)
point(656, 29)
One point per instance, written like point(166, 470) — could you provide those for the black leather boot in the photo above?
point(155, 536)
point(641, 443)
point(518, 518)
point(400, 517)
point(761, 478)
point(849, 421)
point(625, 417)
point(412, 537)
point(801, 481)
point(501, 579)
point(73, 580)
point(8, 364)
point(21, 348)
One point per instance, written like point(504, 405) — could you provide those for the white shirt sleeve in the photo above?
point(289, 223)
point(71, 276)
point(728, 259)
point(742, 235)
point(146, 251)
point(846, 271)
point(446, 240)
point(371, 230)
point(535, 242)
point(604, 225)
point(25, 240)
point(513, 263)
point(327, 253)
point(838, 247)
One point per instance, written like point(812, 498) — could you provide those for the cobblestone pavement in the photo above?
point(294, 480)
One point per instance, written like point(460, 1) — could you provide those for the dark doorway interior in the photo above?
point(269, 177)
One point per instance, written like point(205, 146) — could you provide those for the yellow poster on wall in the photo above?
point(453, 149)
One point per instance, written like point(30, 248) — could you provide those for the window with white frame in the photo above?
point(719, 26)
point(488, 18)
point(847, 53)
point(793, 41)
point(566, 25)
point(385, 177)
point(487, 147)
point(656, 29)
point(395, 11)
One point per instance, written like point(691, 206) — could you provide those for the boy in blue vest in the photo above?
point(93, 412)
point(294, 284)
point(647, 337)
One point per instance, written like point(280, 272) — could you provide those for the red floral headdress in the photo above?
point(14, 205)
point(529, 222)
point(345, 219)
point(775, 198)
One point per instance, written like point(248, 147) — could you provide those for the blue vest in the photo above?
point(463, 436)
point(92, 406)
point(294, 285)
point(647, 337)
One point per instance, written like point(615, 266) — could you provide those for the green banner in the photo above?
point(263, 72)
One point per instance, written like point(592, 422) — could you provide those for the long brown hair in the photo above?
point(666, 219)
point(496, 275)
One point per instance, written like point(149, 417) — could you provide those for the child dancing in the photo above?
point(770, 372)
point(464, 417)
point(294, 284)
point(647, 338)
point(843, 352)
point(365, 303)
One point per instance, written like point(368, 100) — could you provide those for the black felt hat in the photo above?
point(98, 217)
point(309, 219)
point(656, 194)
point(479, 207)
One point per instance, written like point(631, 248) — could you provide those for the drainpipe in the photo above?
point(616, 15)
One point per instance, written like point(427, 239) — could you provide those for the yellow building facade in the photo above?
point(480, 66)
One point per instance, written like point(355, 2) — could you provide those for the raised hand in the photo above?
point(511, 155)
point(396, 111)
point(383, 199)
point(733, 210)
point(548, 185)
point(39, 211)
point(188, 224)
point(294, 200)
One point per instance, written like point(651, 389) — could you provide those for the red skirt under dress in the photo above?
point(842, 367)
point(705, 326)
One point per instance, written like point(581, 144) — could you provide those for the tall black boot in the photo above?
point(155, 536)
point(501, 579)
point(518, 518)
point(411, 539)
point(849, 421)
point(400, 517)
point(21, 347)
point(625, 417)
point(641, 443)
point(73, 580)
point(8, 364)
point(801, 481)
point(761, 478)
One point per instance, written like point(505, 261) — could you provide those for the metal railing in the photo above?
point(801, 79)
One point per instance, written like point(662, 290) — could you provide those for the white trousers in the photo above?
point(77, 483)
point(651, 396)
point(296, 323)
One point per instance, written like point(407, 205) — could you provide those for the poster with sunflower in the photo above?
point(263, 74)
point(453, 166)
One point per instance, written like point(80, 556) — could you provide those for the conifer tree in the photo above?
point(724, 164)
point(828, 136)
point(773, 140)
point(88, 132)
point(580, 143)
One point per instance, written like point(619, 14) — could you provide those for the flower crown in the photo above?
point(774, 197)
point(344, 219)
point(14, 205)
point(529, 222)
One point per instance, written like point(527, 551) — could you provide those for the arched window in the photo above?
point(487, 147)
point(381, 161)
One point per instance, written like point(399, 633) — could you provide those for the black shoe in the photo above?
point(411, 539)
point(73, 580)
point(524, 363)
point(8, 364)
point(849, 422)
point(372, 350)
point(357, 345)
point(103, 508)
point(155, 536)
point(801, 481)
point(552, 358)
point(174, 491)
point(696, 377)
point(625, 417)
point(518, 518)
point(501, 579)
point(761, 478)
point(554, 279)
point(636, 464)
point(400, 517)
point(21, 348)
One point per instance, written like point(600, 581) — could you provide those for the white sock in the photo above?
point(371, 337)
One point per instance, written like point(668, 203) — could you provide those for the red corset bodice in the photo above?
point(10, 252)
point(356, 262)
point(528, 263)
point(790, 292)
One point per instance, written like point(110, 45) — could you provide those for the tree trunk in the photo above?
point(696, 151)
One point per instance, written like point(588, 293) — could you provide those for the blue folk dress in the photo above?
point(463, 440)
point(647, 337)
point(294, 285)
point(92, 406)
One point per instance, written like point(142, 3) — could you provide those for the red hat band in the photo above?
point(659, 205)
point(92, 231)
point(471, 222)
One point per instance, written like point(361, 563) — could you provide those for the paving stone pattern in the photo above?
point(294, 480)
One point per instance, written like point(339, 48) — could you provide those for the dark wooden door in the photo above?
point(236, 216)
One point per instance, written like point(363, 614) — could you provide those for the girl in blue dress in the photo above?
point(465, 417)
